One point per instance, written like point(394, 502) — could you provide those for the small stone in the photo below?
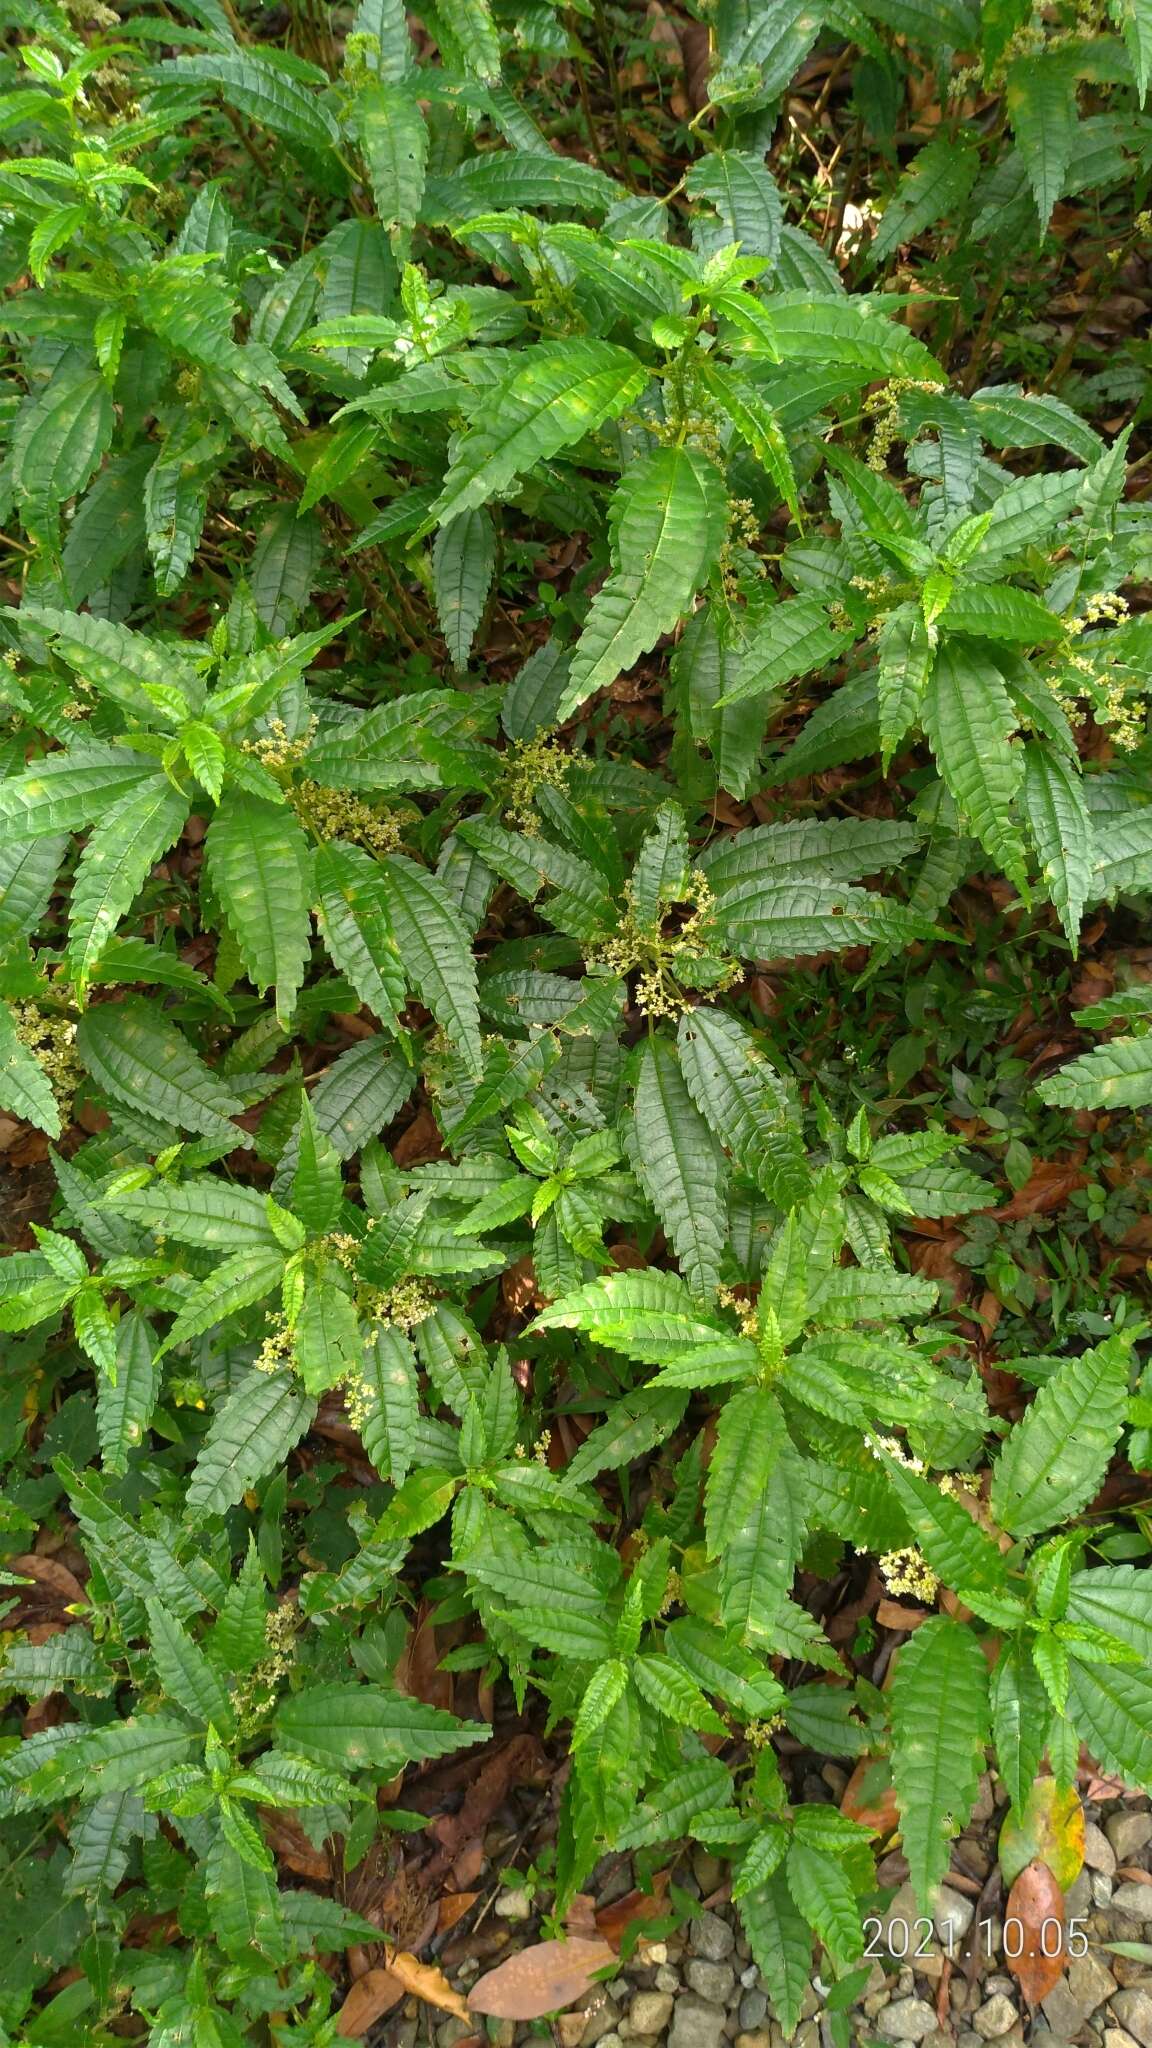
point(937, 2039)
point(753, 2010)
point(611, 2041)
point(714, 1981)
point(1102, 1889)
point(1078, 1897)
point(711, 1937)
point(1135, 1899)
point(1061, 2011)
point(569, 2028)
point(967, 2039)
point(652, 1953)
point(758, 2037)
point(1090, 1983)
point(995, 2017)
point(1098, 1851)
point(667, 1978)
point(908, 2019)
point(650, 2012)
point(502, 2033)
point(600, 2021)
point(1115, 2037)
point(750, 1977)
point(1128, 1834)
point(952, 1918)
point(707, 1870)
point(696, 2023)
point(513, 1905)
point(452, 2030)
point(1133, 2009)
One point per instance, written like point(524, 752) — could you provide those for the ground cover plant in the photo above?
point(574, 855)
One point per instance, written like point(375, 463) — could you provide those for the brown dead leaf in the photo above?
point(902, 1620)
point(452, 1907)
point(541, 1979)
point(613, 1922)
point(870, 1796)
point(291, 1847)
point(1036, 1904)
point(1049, 1830)
point(426, 1982)
point(372, 1995)
point(1048, 1187)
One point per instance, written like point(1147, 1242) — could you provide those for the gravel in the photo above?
point(1133, 2009)
point(711, 1937)
point(995, 2017)
point(696, 2023)
point(908, 2019)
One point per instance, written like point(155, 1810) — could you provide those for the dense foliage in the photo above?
point(575, 668)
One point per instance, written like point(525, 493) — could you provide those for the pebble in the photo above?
point(714, 1981)
point(1133, 2009)
point(452, 2030)
point(1101, 1889)
point(1089, 1982)
point(708, 1871)
point(1128, 1833)
point(758, 2037)
point(711, 1937)
point(696, 2023)
point(753, 2010)
point(908, 2019)
point(649, 2012)
point(995, 2017)
point(1078, 1897)
point(1135, 1899)
point(601, 2020)
point(952, 1918)
point(1099, 1853)
point(1115, 2037)
point(666, 1978)
point(513, 1905)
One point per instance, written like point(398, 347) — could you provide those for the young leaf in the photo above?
point(1057, 1456)
point(940, 1723)
point(115, 863)
point(259, 866)
point(969, 719)
point(678, 1164)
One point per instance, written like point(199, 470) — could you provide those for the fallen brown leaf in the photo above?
point(1036, 1904)
point(452, 1907)
point(1048, 1187)
point(372, 1995)
point(541, 1979)
point(613, 1922)
point(870, 1796)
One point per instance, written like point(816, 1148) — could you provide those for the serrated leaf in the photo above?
point(1113, 1076)
point(556, 397)
point(124, 1404)
point(435, 947)
point(750, 1436)
point(25, 1090)
point(1060, 826)
point(820, 1887)
point(781, 1944)
point(763, 1550)
point(352, 909)
point(391, 131)
point(133, 1051)
point(184, 1670)
point(669, 519)
point(939, 1699)
point(463, 562)
point(367, 1727)
point(259, 867)
point(117, 859)
point(1057, 1456)
point(906, 655)
point(251, 1433)
point(969, 718)
point(678, 1164)
point(1040, 97)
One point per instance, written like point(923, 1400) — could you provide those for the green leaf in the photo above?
point(1060, 827)
point(759, 1562)
point(139, 1058)
point(821, 1890)
point(157, 684)
point(251, 1433)
point(668, 517)
point(368, 1727)
point(1020, 1719)
point(556, 397)
point(969, 718)
point(327, 1343)
point(791, 640)
point(201, 1211)
point(750, 1436)
point(463, 563)
point(678, 1164)
point(939, 1700)
point(1057, 1457)
point(258, 864)
point(124, 1405)
point(670, 1690)
point(387, 1402)
point(906, 656)
point(1136, 22)
point(352, 911)
point(236, 1283)
point(264, 92)
point(1113, 1076)
point(391, 131)
point(25, 1090)
point(933, 187)
point(955, 1546)
point(1111, 1710)
point(184, 1670)
point(436, 949)
point(1040, 97)
point(781, 1944)
point(66, 791)
point(116, 862)
point(739, 1094)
